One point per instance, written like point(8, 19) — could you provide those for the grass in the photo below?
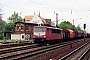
point(16, 41)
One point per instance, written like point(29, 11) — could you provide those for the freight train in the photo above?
point(46, 34)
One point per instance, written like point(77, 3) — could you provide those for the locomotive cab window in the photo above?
point(39, 29)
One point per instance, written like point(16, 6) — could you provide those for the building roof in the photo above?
point(29, 17)
point(31, 23)
point(43, 20)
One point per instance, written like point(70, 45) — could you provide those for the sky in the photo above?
point(48, 8)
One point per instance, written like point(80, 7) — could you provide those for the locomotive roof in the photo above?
point(49, 27)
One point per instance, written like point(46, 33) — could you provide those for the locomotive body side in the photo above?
point(54, 34)
point(44, 34)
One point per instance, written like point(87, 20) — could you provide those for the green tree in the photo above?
point(2, 28)
point(1, 25)
point(79, 29)
point(66, 25)
point(9, 27)
point(1, 35)
point(15, 18)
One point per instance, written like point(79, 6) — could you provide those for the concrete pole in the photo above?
point(73, 24)
point(56, 19)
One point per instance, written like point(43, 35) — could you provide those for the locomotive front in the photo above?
point(39, 34)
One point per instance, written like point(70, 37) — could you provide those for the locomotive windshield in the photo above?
point(39, 29)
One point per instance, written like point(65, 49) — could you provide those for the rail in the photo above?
point(66, 56)
point(82, 56)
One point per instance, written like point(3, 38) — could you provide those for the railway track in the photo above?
point(13, 45)
point(77, 54)
point(56, 54)
point(85, 55)
point(23, 52)
point(17, 48)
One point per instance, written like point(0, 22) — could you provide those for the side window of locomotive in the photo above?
point(58, 31)
point(55, 31)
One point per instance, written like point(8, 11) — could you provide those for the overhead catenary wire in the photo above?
point(80, 8)
point(8, 6)
point(28, 7)
point(42, 5)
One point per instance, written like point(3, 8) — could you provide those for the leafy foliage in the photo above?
point(79, 29)
point(1, 25)
point(65, 25)
point(68, 25)
point(1, 35)
point(15, 18)
point(9, 27)
point(2, 28)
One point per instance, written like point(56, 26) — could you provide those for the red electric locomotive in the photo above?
point(45, 34)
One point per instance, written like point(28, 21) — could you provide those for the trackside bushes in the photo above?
point(16, 41)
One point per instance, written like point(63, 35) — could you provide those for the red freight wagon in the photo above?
point(71, 34)
point(68, 34)
point(76, 34)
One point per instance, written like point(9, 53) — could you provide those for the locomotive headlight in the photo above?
point(44, 36)
point(33, 36)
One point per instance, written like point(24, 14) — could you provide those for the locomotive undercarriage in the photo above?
point(45, 42)
point(39, 40)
